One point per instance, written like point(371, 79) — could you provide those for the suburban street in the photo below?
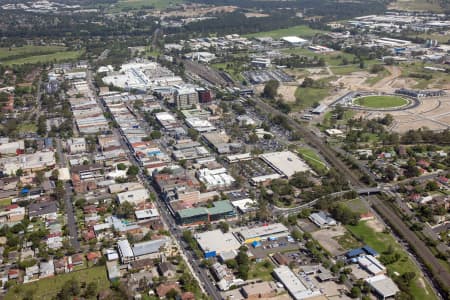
point(71, 221)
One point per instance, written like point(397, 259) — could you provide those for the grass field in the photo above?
point(306, 97)
point(313, 160)
point(8, 53)
point(138, 4)
point(300, 31)
point(357, 205)
point(48, 288)
point(348, 241)
point(261, 270)
point(235, 73)
point(381, 101)
point(27, 128)
point(381, 241)
point(45, 58)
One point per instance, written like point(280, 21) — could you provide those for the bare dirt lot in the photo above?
point(288, 92)
point(375, 224)
point(433, 113)
point(326, 238)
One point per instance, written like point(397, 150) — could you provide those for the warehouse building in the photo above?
point(249, 235)
point(286, 163)
point(383, 286)
point(296, 288)
point(215, 243)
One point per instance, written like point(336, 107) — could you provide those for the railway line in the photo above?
point(316, 143)
point(437, 273)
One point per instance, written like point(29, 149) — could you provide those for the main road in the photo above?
point(71, 221)
point(199, 273)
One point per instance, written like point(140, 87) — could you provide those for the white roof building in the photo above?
point(200, 125)
point(273, 230)
point(125, 251)
point(294, 40)
point(384, 286)
point(145, 214)
point(134, 196)
point(285, 163)
point(217, 241)
point(217, 178)
point(297, 289)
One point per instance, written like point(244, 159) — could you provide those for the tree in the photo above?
point(192, 133)
point(307, 82)
point(19, 172)
point(355, 292)
point(172, 294)
point(155, 134)
point(91, 290)
point(271, 89)
point(224, 226)
point(297, 235)
point(40, 177)
point(133, 171)
point(121, 167)
point(125, 209)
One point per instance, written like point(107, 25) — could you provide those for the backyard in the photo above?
point(48, 288)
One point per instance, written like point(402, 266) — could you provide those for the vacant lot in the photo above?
point(381, 101)
point(328, 239)
point(306, 97)
point(48, 288)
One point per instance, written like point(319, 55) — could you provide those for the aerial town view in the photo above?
point(225, 149)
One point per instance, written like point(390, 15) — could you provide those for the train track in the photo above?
point(439, 275)
point(316, 142)
point(417, 245)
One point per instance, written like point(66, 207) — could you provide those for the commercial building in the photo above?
point(167, 120)
point(245, 205)
point(185, 96)
point(214, 243)
point(294, 40)
point(231, 159)
point(371, 265)
point(76, 145)
point(286, 163)
point(220, 142)
point(133, 197)
point(199, 215)
point(259, 290)
point(322, 220)
point(296, 288)
point(215, 179)
point(204, 95)
point(249, 235)
point(37, 161)
point(200, 125)
point(383, 286)
point(139, 251)
point(12, 148)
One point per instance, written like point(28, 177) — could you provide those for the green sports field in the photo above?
point(380, 101)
